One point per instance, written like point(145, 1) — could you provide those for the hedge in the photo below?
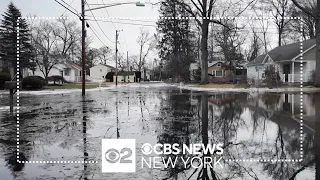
point(4, 76)
point(33, 82)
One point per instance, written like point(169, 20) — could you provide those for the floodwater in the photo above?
point(254, 127)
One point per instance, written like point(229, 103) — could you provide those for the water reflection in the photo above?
point(254, 126)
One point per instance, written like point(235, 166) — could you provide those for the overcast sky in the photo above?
point(127, 37)
point(129, 33)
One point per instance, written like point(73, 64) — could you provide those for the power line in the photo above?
point(67, 8)
point(93, 30)
point(98, 23)
point(128, 23)
point(113, 24)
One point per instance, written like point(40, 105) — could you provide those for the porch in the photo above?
point(290, 72)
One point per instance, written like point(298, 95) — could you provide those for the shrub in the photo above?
point(272, 77)
point(56, 78)
point(109, 76)
point(4, 76)
point(33, 82)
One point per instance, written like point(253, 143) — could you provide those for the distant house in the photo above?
point(219, 72)
point(287, 62)
point(99, 72)
point(69, 71)
point(125, 76)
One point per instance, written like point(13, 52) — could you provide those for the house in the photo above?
point(220, 72)
point(286, 60)
point(69, 71)
point(99, 72)
point(125, 76)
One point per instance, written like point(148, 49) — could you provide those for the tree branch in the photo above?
point(304, 9)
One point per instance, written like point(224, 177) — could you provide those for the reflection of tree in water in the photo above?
point(8, 143)
point(225, 115)
point(178, 125)
point(287, 142)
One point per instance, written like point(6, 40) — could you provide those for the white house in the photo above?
point(99, 72)
point(287, 62)
point(69, 71)
point(125, 76)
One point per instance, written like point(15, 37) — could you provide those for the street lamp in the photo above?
point(83, 10)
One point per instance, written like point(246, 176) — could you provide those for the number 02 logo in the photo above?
point(118, 155)
point(113, 155)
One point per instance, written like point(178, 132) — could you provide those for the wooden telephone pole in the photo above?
point(83, 50)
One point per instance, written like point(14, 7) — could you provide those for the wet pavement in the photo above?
point(255, 127)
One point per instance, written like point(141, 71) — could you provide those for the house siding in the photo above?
point(56, 71)
point(226, 74)
point(99, 72)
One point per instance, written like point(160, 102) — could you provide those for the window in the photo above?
point(219, 65)
point(67, 72)
point(100, 70)
point(213, 73)
point(219, 73)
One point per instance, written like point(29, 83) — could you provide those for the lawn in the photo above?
point(213, 85)
point(72, 86)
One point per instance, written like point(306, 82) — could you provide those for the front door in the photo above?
point(286, 71)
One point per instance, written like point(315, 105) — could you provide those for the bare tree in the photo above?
point(104, 54)
point(308, 22)
point(205, 10)
point(254, 48)
point(263, 25)
point(279, 10)
point(53, 43)
point(143, 40)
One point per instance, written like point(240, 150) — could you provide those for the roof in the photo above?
point(258, 60)
point(285, 53)
point(222, 63)
point(76, 66)
point(107, 66)
point(125, 73)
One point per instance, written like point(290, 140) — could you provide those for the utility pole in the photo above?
point(116, 57)
point(128, 64)
point(83, 50)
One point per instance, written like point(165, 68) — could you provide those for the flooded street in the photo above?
point(254, 127)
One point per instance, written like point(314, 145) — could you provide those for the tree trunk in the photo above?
point(140, 63)
point(279, 37)
point(204, 52)
point(317, 70)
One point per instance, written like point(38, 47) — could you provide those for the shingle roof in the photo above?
point(258, 60)
point(283, 53)
point(290, 51)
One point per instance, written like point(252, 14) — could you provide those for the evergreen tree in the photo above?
point(175, 42)
point(8, 39)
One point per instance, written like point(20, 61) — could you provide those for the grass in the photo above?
point(89, 85)
point(213, 85)
point(72, 86)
